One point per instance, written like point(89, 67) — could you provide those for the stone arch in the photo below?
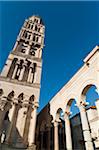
point(31, 99)
point(68, 101)
point(20, 97)
point(69, 104)
point(85, 87)
point(6, 105)
point(10, 95)
point(6, 101)
point(59, 114)
point(71, 107)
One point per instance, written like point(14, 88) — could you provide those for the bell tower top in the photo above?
point(24, 63)
point(36, 19)
point(30, 40)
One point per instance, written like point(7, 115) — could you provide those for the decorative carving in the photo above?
point(83, 103)
point(36, 104)
point(3, 102)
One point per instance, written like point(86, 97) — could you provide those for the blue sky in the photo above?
point(72, 31)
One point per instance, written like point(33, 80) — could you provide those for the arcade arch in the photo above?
point(79, 84)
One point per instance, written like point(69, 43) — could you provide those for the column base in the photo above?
point(32, 147)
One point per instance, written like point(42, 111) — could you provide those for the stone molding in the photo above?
point(34, 85)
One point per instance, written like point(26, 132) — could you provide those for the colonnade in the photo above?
point(20, 68)
point(85, 127)
point(52, 135)
point(16, 121)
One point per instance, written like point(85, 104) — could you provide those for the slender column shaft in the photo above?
point(31, 135)
point(68, 132)
point(85, 127)
point(48, 144)
point(97, 106)
point(56, 142)
point(29, 76)
point(3, 101)
point(2, 114)
point(12, 112)
point(15, 70)
point(21, 119)
point(22, 73)
point(41, 146)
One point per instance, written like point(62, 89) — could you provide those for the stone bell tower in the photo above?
point(20, 86)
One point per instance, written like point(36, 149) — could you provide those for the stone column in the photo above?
point(30, 74)
point(68, 131)
point(21, 119)
point(56, 141)
point(48, 136)
point(32, 127)
point(41, 144)
point(85, 127)
point(3, 101)
point(15, 70)
point(22, 71)
point(11, 112)
point(97, 107)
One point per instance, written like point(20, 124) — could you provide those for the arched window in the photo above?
point(31, 99)
point(19, 69)
point(12, 67)
point(20, 97)
point(10, 95)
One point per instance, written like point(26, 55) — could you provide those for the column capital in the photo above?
point(3, 102)
point(67, 114)
point(82, 104)
point(31, 65)
point(15, 101)
point(97, 99)
point(55, 123)
point(18, 62)
point(97, 87)
point(35, 105)
point(25, 103)
point(25, 63)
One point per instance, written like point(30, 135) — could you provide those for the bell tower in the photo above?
point(20, 86)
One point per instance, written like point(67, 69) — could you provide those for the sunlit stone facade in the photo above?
point(82, 131)
point(20, 87)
